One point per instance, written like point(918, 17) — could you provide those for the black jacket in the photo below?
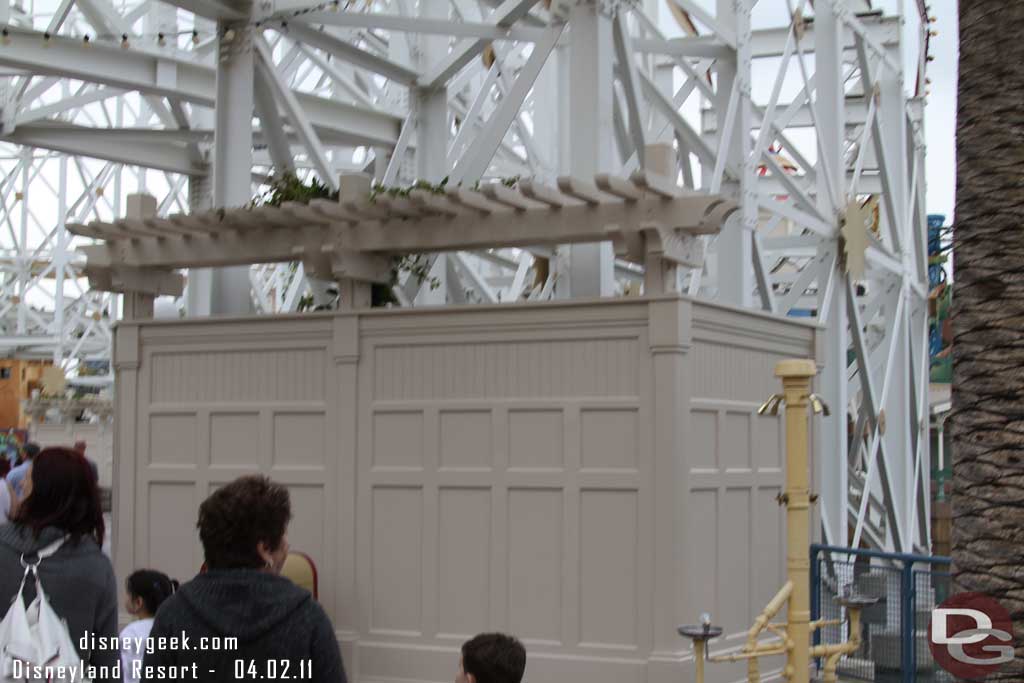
point(282, 633)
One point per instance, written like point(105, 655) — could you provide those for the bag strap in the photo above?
point(43, 553)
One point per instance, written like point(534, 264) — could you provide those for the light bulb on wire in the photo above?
point(161, 40)
point(124, 41)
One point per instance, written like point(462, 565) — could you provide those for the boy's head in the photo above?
point(492, 658)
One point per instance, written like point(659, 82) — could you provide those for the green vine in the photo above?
point(377, 189)
point(290, 188)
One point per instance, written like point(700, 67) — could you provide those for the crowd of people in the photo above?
point(237, 619)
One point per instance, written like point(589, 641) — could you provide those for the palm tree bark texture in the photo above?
point(988, 313)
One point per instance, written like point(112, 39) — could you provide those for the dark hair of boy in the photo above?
point(494, 658)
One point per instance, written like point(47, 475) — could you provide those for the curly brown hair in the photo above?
point(236, 517)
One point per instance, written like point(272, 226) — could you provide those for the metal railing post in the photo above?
point(907, 631)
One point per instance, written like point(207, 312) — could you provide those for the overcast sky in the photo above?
point(940, 114)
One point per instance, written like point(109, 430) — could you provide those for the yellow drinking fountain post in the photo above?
point(793, 637)
point(796, 392)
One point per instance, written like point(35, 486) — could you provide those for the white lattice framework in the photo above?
point(798, 110)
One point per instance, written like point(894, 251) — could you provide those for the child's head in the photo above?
point(147, 589)
point(492, 658)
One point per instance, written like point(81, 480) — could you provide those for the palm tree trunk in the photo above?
point(988, 313)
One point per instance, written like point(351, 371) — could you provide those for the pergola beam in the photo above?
point(270, 234)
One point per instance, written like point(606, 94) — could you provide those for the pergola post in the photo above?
point(661, 276)
point(139, 305)
point(352, 294)
point(200, 283)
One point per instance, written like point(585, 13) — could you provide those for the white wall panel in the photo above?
point(585, 475)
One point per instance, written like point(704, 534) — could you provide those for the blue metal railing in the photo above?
point(909, 585)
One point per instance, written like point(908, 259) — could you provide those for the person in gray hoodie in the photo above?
point(240, 620)
point(62, 501)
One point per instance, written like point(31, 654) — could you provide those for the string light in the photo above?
point(162, 38)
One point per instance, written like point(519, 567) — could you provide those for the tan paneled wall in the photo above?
point(584, 475)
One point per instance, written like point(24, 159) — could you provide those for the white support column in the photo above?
point(60, 260)
point(831, 463)
point(547, 129)
point(232, 159)
point(591, 140)
point(919, 418)
point(432, 137)
point(432, 104)
point(735, 243)
point(896, 391)
point(893, 129)
point(24, 255)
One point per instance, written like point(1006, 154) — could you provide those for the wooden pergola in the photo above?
point(649, 220)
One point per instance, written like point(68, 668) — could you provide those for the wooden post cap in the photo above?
point(796, 367)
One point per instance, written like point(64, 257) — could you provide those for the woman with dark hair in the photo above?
point(264, 626)
point(60, 500)
point(145, 591)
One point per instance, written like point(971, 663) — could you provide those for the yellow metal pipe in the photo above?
point(849, 647)
point(750, 656)
point(821, 623)
point(796, 386)
point(769, 612)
